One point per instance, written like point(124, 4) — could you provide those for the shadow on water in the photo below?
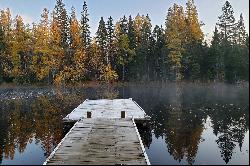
point(188, 122)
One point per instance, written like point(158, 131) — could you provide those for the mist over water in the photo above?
point(190, 123)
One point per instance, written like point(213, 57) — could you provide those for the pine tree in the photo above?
point(57, 51)
point(215, 62)
point(101, 38)
point(105, 41)
point(18, 49)
point(76, 70)
point(131, 33)
point(124, 25)
point(231, 34)
point(124, 53)
point(96, 63)
point(40, 60)
point(193, 26)
point(6, 23)
point(110, 40)
point(21, 51)
point(227, 22)
point(246, 60)
point(192, 41)
point(174, 40)
point(146, 47)
point(240, 33)
point(160, 68)
point(61, 50)
point(138, 26)
point(62, 20)
point(239, 53)
point(85, 32)
point(2, 47)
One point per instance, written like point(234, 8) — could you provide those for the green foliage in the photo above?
point(227, 22)
point(175, 24)
point(59, 49)
point(85, 32)
point(108, 75)
point(101, 38)
point(2, 45)
point(131, 33)
point(61, 19)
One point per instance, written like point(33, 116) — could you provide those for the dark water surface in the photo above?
point(191, 124)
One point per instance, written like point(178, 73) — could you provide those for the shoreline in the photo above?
point(89, 84)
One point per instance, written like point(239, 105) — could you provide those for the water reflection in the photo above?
point(38, 120)
point(230, 126)
point(179, 115)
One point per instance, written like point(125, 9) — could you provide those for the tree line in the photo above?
point(60, 49)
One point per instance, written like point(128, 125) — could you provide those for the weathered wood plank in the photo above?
point(105, 108)
point(100, 141)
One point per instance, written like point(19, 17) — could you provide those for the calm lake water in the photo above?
point(190, 124)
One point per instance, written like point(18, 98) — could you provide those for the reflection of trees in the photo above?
point(181, 127)
point(179, 112)
point(230, 125)
point(36, 119)
point(47, 127)
point(3, 133)
point(182, 131)
point(146, 135)
point(183, 135)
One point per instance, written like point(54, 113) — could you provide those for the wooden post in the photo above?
point(123, 114)
point(88, 114)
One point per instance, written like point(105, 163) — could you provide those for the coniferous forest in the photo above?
point(60, 49)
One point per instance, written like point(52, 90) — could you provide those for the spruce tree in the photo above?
point(95, 63)
point(57, 52)
point(226, 22)
point(61, 20)
point(240, 33)
point(174, 40)
point(216, 59)
point(102, 38)
point(192, 41)
point(124, 53)
point(159, 60)
point(2, 46)
point(6, 23)
point(41, 58)
point(76, 69)
point(74, 33)
point(146, 48)
point(63, 23)
point(131, 33)
point(20, 51)
point(110, 41)
point(137, 26)
point(85, 32)
point(124, 25)
point(193, 26)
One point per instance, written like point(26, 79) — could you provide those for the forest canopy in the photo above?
point(60, 49)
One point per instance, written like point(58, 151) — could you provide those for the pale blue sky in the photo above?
point(208, 10)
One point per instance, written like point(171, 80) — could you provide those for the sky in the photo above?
point(208, 10)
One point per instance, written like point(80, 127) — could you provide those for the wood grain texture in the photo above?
point(105, 108)
point(100, 141)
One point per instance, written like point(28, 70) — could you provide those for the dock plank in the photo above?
point(106, 108)
point(96, 141)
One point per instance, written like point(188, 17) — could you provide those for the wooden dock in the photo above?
point(103, 139)
point(107, 108)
